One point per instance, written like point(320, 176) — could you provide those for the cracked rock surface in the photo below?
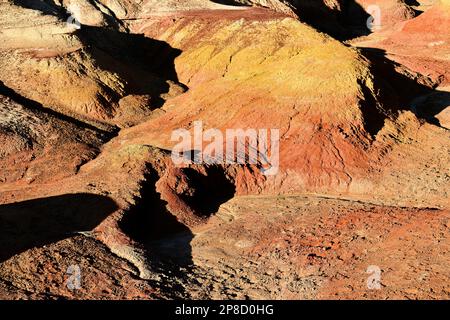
point(92, 206)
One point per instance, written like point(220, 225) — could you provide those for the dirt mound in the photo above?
point(336, 121)
point(38, 146)
point(420, 43)
point(431, 25)
point(88, 180)
point(83, 73)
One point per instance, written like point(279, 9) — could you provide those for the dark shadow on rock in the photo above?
point(208, 190)
point(166, 241)
point(430, 105)
point(373, 117)
point(145, 64)
point(396, 91)
point(412, 3)
point(35, 223)
point(230, 3)
point(50, 7)
point(133, 50)
point(149, 219)
point(107, 131)
point(45, 6)
point(348, 22)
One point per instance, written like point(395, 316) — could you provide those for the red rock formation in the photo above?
point(87, 178)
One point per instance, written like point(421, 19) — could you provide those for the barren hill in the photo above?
point(92, 92)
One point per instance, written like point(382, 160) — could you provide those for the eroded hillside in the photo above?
point(92, 91)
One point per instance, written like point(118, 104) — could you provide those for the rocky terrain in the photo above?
point(93, 206)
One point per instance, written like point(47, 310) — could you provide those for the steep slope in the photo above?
point(363, 176)
point(38, 146)
point(338, 18)
point(84, 73)
point(421, 43)
point(321, 95)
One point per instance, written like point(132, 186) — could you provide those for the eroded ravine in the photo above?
point(193, 231)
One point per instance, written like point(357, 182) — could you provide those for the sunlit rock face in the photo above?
point(355, 95)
